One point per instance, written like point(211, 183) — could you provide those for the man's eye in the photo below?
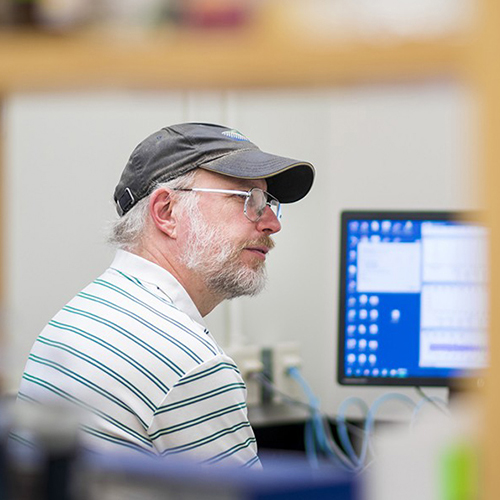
point(240, 197)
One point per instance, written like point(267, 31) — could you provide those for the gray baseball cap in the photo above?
point(176, 150)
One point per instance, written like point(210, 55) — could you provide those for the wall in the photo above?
point(382, 147)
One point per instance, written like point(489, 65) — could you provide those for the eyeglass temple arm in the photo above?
point(210, 190)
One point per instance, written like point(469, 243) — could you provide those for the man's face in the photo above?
point(220, 244)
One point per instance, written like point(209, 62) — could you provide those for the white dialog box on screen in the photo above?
point(389, 267)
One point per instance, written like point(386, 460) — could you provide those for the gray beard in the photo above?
point(216, 260)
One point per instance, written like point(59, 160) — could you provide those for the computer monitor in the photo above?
point(413, 298)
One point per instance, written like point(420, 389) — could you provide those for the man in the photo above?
point(198, 204)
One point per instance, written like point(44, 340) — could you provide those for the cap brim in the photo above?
point(287, 179)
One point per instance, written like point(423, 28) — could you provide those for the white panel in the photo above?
point(374, 147)
point(205, 107)
point(392, 147)
point(65, 153)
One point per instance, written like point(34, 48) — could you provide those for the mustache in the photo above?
point(263, 241)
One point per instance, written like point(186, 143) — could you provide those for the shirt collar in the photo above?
point(147, 271)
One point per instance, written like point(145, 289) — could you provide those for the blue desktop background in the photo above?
point(395, 354)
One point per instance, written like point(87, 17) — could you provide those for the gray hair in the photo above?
point(126, 232)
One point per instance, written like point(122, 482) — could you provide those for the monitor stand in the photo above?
point(460, 389)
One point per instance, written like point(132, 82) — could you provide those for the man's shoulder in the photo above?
point(122, 308)
point(119, 294)
point(120, 287)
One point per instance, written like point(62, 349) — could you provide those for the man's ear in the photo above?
point(161, 206)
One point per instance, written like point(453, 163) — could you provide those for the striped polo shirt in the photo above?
point(132, 350)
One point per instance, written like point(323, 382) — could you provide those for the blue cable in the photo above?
point(310, 428)
point(310, 445)
point(360, 460)
point(342, 426)
point(295, 374)
point(318, 441)
point(370, 419)
point(316, 437)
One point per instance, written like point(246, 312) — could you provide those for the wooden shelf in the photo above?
point(32, 62)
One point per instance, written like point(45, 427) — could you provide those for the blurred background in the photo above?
point(380, 95)
point(333, 18)
point(403, 142)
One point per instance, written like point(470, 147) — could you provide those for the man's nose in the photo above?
point(269, 223)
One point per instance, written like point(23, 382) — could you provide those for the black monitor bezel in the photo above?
point(419, 215)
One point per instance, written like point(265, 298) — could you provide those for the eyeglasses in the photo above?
point(256, 201)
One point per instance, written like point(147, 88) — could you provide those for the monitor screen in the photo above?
point(413, 298)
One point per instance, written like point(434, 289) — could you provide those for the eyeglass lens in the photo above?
point(257, 202)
